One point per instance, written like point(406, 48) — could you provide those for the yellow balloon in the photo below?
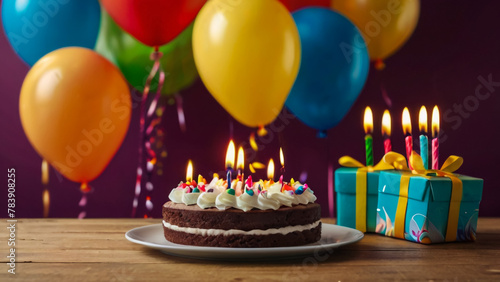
point(75, 109)
point(248, 54)
point(385, 24)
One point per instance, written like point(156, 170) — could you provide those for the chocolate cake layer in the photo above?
point(245, 241)
point(213, 218)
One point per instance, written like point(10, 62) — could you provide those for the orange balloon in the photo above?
point(75, 109)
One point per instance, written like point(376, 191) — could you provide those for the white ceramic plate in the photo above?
point(332, 236)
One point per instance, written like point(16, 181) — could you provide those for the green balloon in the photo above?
point(133, 57)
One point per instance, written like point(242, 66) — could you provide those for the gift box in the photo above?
point(428, 206)
point(356, 189)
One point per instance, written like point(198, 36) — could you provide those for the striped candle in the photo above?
point(368, 126)
point(435, 138)
point(424, 141)
point(407, 132)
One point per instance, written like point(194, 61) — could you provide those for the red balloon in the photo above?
point(153, 22)
point(293, 5)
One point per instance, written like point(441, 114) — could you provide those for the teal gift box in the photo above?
point(426, 208)
point(346, 196)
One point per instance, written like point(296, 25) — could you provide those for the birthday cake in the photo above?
point(249, 215)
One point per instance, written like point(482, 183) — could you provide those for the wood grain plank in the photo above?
point(96, 249)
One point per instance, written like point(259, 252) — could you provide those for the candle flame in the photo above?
point(422, 119)
point(45, 172)
point(282, 158)
point(240, 163)
point(386, 124)
point(368, 121)
point(270, 170)
point(435, 122)
point(189, 171)
point(406, 121)
point(230, 155)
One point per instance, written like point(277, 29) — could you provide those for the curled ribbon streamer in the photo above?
point(180, 112)
point(155, 56)
point(361, 186)
point(451, 164)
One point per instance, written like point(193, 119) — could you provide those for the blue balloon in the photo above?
point(37, 27)
point(333, 69)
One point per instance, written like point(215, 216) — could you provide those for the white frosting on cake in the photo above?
point(225, 201)
point(283, 198)
point(267, 204)
point(216, 232)
point(216, 195)
point(247, 202)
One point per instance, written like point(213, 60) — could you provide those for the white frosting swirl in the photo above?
point(272, 198)
point(207, 199)
point(176, 195)
point(190, 198)
point(309, 194)
point(247, 202)
point(225, 201)
point(267, 204)
point(274, 192)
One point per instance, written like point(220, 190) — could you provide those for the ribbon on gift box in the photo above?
point(451, 164)
point(361, 183)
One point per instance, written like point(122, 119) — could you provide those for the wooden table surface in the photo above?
point(96, 250)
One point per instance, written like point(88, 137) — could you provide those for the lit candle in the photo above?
point(282, 162)
point(240, 164)
point(230, 154)
point(435, 139)
point(368, 125)
point(407, 132)
point(424, 146)
point(270, 170)
point(386, 131)
point(189, 172)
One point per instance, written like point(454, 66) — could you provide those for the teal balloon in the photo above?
point(35, 28)
point(333, 69)
point(133, 57)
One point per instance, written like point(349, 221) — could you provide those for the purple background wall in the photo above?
point(455, 44)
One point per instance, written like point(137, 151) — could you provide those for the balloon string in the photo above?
point(385, 95)
point(45, 184)
point(152, 160)
point(155, 56)
point(85, 189)
point(330, 180)
point(180, 112)
point(154, 103)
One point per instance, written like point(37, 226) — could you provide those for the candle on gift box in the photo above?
point(230, 154)
point(424, 146)
point(407, 132)
point(189, 172)
point(435, 138)
point(368, 126)
point(386, 131)
point(270, 170)
point(240, 164)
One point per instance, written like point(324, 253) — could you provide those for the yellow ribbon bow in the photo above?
point(451, 164)
point(361, 183)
